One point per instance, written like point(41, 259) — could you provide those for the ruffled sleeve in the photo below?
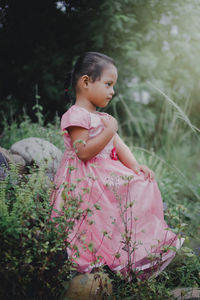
point(75, 116)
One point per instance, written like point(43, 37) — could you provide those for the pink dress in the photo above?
point(122, 223)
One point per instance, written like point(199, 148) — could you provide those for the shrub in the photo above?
point(33, 250)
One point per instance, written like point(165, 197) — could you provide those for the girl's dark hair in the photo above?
point(91, 64)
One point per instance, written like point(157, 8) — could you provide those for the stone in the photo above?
point(5, 153)
point(17, 160)
point(186, 293)
point(88, 287)
point(3, 160)
point(38, 150)
point(3, 166)
point(14, 159)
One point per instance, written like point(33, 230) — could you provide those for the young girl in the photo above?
point(122, 223)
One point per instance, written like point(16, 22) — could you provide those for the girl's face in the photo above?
point(101, 91)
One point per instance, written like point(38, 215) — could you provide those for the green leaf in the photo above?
point(97, 206)
point(91, 247)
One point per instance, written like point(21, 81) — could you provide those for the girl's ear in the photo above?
point(84, 80)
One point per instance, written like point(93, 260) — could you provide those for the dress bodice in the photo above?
point(78, 116)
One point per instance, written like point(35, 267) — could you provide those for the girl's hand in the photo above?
point(148, 174)
point(110, 123)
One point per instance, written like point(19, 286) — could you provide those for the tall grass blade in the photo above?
point(181, 112)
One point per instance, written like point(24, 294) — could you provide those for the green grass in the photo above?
point(14, 131)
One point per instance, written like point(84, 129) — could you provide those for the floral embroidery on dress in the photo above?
point(113, 154)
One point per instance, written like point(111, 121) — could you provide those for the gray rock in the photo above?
point(186, 293)
point(14, 159)
point(96, 286)
point(5, 153)
point(3, 160)
point(38, 150)
point(3, 166)
point(17, 159)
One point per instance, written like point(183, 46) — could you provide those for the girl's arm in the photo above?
point(128, 159)
point(92, 147)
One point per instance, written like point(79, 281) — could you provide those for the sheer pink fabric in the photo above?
point(125, 227)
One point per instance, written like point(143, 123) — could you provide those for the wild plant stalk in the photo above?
point(181, 114)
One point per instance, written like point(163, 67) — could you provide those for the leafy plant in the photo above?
point(33, 255)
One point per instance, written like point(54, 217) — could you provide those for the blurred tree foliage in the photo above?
point(153, 41)
point(39, 42)
point(150, 40)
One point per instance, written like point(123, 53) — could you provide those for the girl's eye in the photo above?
point(109, 83)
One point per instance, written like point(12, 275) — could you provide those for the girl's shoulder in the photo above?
point(103, 114)
point(75, 109)
point(79, 116)
point(75, 116)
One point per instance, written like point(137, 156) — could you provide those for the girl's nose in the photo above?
point(112, 92)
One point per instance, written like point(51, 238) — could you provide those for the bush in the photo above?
point(33, 250)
